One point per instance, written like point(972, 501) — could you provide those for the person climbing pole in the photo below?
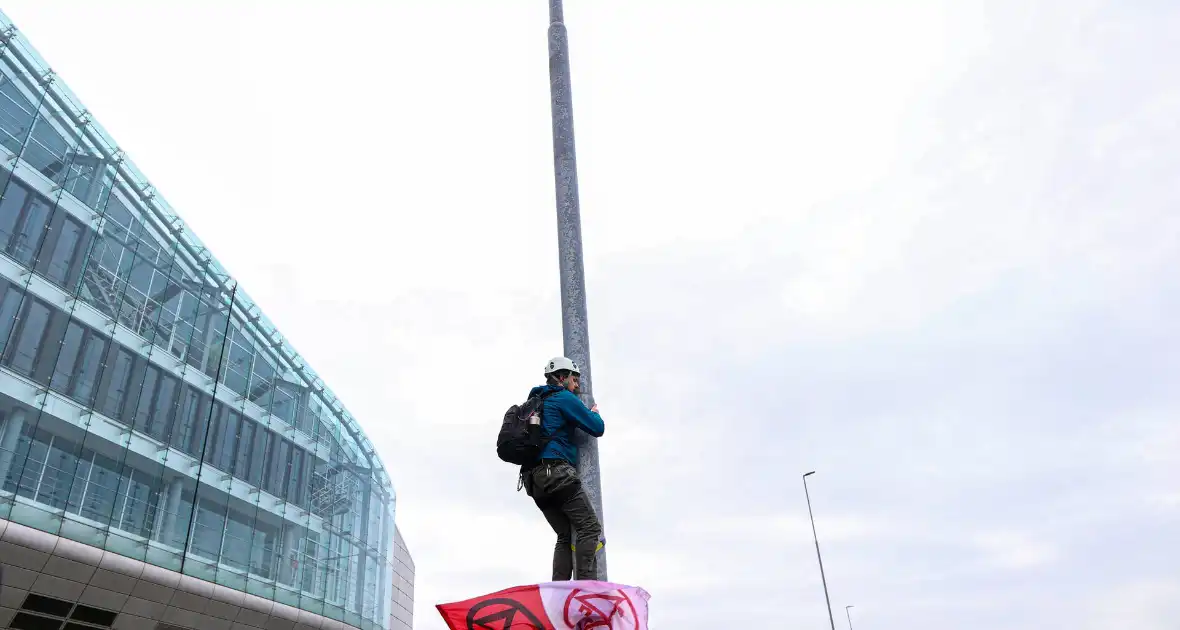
point(552, 480)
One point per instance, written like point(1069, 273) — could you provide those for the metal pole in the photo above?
point(846, 609)
point(831, 618)
point(574, 327)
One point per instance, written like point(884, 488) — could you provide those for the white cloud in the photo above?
point(927, 250)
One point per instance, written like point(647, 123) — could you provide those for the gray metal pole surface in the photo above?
point(827, 599)
point(846, 612)
point(574, 326)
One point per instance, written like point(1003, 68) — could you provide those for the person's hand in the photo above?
point(594, 408)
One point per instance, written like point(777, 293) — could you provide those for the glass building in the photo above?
point(166, 457)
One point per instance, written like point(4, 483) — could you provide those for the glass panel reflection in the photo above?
point(183, 426)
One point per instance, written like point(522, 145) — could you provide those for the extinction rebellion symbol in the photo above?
point(500, 614)
point(600, 610)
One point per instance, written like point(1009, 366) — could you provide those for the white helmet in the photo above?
point(560, 363)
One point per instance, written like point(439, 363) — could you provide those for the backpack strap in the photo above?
point(541, 430)
point(541, 413)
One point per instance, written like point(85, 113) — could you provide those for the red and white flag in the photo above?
point(577, 605)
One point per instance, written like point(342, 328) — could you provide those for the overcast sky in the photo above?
point(930, 250)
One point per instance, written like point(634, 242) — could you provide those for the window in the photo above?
point(258, 456)
point(81, 480)
point(16, 114)
point(224, 437)
point(67, 358)
point(262, 549)
point(102, 488)
point(237, 541)
point(29, 337)
point(140, 494)
point(11, 205)
point(46, 150)
point(261, 382)
point(208, 528)
point(280, 455)
point(31, 451)
point(143, 410)
point(244, 447)
point(80, 175)
point(65, 251)
point(141, 275)
point(160, 422)
point(313, 554)
point(115, 393)
point(58, 476)
point(192, 417)
point(10, 301)
point(89, 367)
point(30, 229)
point(284, 402)
point(240, 358)
point(295, 479)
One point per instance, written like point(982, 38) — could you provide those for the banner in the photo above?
point(577, 605)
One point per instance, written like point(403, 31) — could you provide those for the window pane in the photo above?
point(10, 300)
point(116, 391)
point(101, 490)
point(58, 476)
point(89, 367)
point(242, 464)
point(284, 402)
point(143, 411)
point(262, 549)
point(64, 251)
point(237, 541)
point(262, 382)
point(216, 420)
point(78, 488)
point(208, 529)
point(161, 420)
point(258, 456)
point(193, 415)
point(31, 451)
point(46, 150)
point(295, 481)
point(32, 226)
point(14, 199)
point(19, 452)
point(81, 174)
point(139, 494)
point(28, 342)
point(279, 463)
point(67, 358)
point(227, 438)
point(16, 115)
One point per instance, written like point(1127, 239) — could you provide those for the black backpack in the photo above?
point(519, 443)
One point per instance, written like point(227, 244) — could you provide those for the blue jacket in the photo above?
point(560, 415)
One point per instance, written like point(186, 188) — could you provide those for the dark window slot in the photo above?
point(26, 621)
point(47, 605)
point(93, 615)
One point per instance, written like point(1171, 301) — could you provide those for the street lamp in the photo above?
point(831, 619)
point(846, 608)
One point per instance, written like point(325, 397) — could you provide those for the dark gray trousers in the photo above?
point(557, 490)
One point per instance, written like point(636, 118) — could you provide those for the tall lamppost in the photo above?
point(574, 327)
point(817, 554)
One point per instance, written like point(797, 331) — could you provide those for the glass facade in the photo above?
point(147, 406)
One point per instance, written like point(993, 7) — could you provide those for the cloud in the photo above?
point(928, 251)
